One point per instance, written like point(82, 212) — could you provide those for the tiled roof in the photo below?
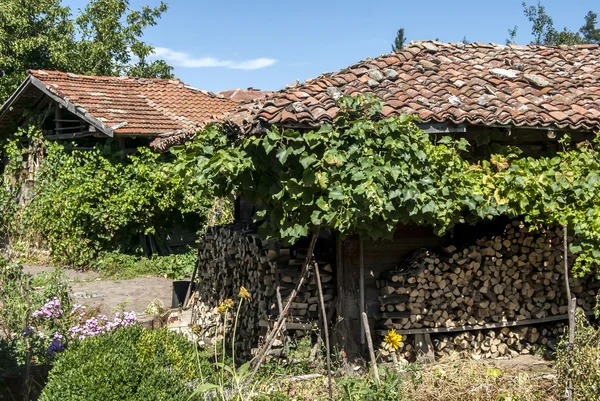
point(244, 95)
point(485, 84)
point(137, 106)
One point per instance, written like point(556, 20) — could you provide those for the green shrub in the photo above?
point(278, 396)
point(123, 266)
point(365, 389)
point(129, 364)
point(18, 303)
point(585, 367)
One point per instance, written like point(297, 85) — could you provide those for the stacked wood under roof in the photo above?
point(494, 298)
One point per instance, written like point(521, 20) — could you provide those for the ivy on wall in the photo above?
point(84, 202)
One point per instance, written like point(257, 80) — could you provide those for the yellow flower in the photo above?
point(225, 305)
point(244, 293)
point(393, 339)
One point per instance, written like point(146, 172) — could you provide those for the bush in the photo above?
point(364, 388)
point(17, 304)
point(129, 364)
point(585, 367)
point(123, 266)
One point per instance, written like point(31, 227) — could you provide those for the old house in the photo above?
point(133, 111)
point(493, 290)
point(90, 110)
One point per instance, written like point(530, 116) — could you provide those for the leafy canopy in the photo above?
point(364, 175)
point(361, 175)
point(103, 39)
point(544, 32)
point(89, 201)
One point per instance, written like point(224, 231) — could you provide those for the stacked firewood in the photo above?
point(507, 342)
point(231, 257)
point(515, 277)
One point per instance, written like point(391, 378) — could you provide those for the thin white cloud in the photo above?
point(182, 59)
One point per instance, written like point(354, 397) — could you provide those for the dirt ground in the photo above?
point(89, 288)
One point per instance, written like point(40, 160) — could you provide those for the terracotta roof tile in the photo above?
point(137, 106)
point(477, 83)
point(243, 95)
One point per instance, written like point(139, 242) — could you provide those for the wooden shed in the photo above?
point(501, 281)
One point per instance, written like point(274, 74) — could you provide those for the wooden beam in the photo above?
point(442, 128)
point(78, 111)
point(73, 135)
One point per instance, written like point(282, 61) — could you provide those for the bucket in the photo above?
point(180, 289)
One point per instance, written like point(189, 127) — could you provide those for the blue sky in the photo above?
point(266, 44)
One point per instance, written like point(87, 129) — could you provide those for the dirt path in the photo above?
point(89, 288)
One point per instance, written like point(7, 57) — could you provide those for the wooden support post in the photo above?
point(365, 321)
point(264, 351)
point(572, 304)
point(325, 329)
point(279, 299)
point(57, 119)
point(424, 348)
point(361, 289)
point(192, 287)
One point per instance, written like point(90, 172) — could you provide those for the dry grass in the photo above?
point(469, 380)
point(523, 379)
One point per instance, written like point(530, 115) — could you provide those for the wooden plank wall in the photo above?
point(379, 256)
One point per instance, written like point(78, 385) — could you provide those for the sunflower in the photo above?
point(393, 339)
point(244, 293)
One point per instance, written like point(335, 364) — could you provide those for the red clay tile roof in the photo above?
point(137, 106)
point(244, 95)
point(485, 84)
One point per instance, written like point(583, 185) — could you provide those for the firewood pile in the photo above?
point(507, 342)
point(499, 281)
point(231, 257)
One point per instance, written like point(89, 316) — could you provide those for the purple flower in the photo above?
point(57, 345)
point(51, 309)
point(101, 324)
point(78, 310)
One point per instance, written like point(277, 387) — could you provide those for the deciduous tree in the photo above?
point(105, 38)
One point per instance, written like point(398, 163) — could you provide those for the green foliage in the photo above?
point(364, 388)
point(229, 381)
point(88, 202)
point(580, 361)
point(399, 41)
point(101, 40)
point(544, 33)
point(365, 175)
point(362, 175)
point(590, 33)
point(123, 266)
point(278, 396)
point(298, 361)
point(128, 364)
point(20, 295)
point(33, 34)
point(110, 36)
